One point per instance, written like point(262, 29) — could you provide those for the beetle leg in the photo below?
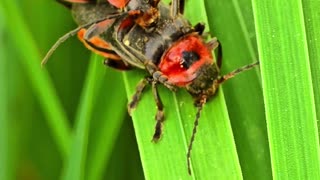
point(158, 76)
point(116, 64)
point(199, 27)
point(237, 71)
point(98, 28)
point(163, 79)
point(219, 56)
point(154, 3)
point(177, 7)
point(159, 115)
point(137, 95)
point(214, 44)
point(78, 31)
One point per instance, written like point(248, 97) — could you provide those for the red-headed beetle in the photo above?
point(152, 36)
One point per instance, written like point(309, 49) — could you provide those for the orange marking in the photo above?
point(98, 42)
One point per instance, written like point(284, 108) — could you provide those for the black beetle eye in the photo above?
point(188, 58)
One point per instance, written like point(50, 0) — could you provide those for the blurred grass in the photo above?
point(75, 164)
point(37, 156)
point(39, 79)
point(34, 99)
point(312, 28)
point(5, 155)
point(105, 127)
point(243, 93)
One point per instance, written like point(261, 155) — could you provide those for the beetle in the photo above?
point(152, 36)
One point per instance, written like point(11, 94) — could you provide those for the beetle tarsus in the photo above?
point(158, 132)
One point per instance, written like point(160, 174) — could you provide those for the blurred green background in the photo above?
point(29, 146)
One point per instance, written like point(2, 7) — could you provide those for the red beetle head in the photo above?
point(188, 63)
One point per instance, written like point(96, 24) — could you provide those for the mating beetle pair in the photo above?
point(150, 35)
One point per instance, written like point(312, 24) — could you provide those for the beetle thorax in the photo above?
point(188, 60)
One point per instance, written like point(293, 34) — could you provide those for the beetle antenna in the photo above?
point(74, 32)
point(194, 131)
point(58, 43)
point(237, 71)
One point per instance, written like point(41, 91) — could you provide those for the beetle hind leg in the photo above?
point(137, 95)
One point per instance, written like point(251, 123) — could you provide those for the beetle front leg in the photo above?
point(158, 76)
point(97, 29)
point(159, 115)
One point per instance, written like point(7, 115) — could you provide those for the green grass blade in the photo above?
point(288, 89)
point(4, 127)
point(170, 152)
point(243, 93)
point(43, 88)
point(125, 155)
point(312, 24)
point(214, 152)
point(6, 171)
point(109, 113)
point(75, 164)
